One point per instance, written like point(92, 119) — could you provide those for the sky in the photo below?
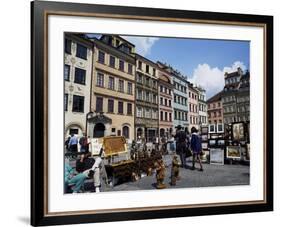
point(203, 61)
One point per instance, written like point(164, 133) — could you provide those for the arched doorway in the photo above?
point(162, 132)
point(126, 132)
point(99, 130)
point(139, 132)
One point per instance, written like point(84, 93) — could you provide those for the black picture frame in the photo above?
point(40, 11)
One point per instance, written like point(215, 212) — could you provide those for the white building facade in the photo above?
point(78, 55)
point(180, 100)
point(202, 107)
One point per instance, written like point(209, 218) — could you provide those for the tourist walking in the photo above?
point(181, 145)
point(73, 144)
point(196, 147)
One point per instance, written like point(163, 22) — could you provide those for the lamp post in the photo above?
point(86, 125)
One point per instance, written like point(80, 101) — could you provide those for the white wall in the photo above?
point(15, 48)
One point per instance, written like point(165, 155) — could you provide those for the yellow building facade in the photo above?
point(113, 88)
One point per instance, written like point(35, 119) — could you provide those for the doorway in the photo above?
point(99, 130)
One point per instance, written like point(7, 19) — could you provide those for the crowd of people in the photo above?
point(71, 144)
point(86, 167)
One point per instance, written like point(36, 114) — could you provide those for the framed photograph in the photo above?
point(104, 86)
point(212, 142)
point(221, 142)
point(238, 131)
point(217, 156)
point(233, 152)
point(204, 130)
point(220, 128)
point(204, 138)
point(204, 145)
point(212, 128)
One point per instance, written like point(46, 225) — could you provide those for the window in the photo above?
point(154, 84)
point(166, 116)
point(126, 131)
point(154, 114)
point(139, 78)
point(170, 116)
point(147, 81)
point(99, 104)
point(121, 86)
point(112, 61)
point(147, 96)
point(78, 103)
point(170, 103)
point(101, 57)
point(161, 115)
point(65, 102)
point(161, 100)
point(80, 76)
point(155, 99)
point(130, 69)
point(161, 88)
point(139, 94)
point(139, 112)
point(81, 51)
point(111, 83)
point(66, 72)
point(110, 106)
point(129, 109)
point(147, 113)
point(175, 115)
point(130, 88)
point(67, 46)
point(120, 107)
point(147, 69)
point(121, 65)
point(166, 103)
point(154, 72)
point(140, 65)
point(175, 98)
point(100, 80)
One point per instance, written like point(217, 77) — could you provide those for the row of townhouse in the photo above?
point(112, 90)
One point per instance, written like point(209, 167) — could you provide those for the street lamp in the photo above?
point(86, 128)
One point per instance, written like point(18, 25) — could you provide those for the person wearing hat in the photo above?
point(196, 147)
point(181, 145)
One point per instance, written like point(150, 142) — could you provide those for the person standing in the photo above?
point(72, 144)
point(97, 171)
point(181, 142)
point(196, 148)
point(84, 145)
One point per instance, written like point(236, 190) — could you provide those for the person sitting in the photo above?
point(75, 181)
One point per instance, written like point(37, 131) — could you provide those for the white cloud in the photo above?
point(212, 79)
point(143, 44)
point(234, 67)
